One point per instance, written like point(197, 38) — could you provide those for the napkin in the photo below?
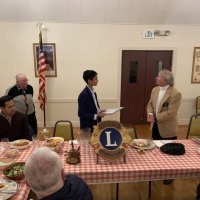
point(160, 143)
point(74, 141)
point(2, 149)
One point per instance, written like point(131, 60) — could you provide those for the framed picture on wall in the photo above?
point(49, 50)
point(196, 66)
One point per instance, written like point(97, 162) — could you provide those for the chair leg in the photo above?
point(149, 190)
point(117, 191)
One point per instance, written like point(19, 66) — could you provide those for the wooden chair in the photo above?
point(194, 126)
point(198, 105)
point(131, 130)
point(64, 128)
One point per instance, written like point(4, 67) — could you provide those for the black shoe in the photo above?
point(168, 181)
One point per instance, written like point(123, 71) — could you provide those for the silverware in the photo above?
point(7, 191)
point(196, 139)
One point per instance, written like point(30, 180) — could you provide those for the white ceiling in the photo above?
point(178, 12)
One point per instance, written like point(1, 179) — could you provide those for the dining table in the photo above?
point(146, 166)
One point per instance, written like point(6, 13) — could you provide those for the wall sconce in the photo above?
point(161, 32)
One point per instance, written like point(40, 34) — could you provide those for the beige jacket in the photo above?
point(167, 111)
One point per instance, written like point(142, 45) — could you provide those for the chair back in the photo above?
point(194, 126)
point(198, 105)
point(131, 130)
point(64, 128)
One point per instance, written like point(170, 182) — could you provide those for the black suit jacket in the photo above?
point(87, 109)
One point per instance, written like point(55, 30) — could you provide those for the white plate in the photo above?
point(198, 150)
point(196, 139)
point(15, 144)
point(5, 162)
point(55, 140)
point(54, 143)
point(2, 149)
point(74, 141)
point(9, 190)
point(136, 144)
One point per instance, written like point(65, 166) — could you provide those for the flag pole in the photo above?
point(44, 114)
point(42, 80)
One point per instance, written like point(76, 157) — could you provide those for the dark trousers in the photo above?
point(32, 121)
point(198, 192)
point(156, 134)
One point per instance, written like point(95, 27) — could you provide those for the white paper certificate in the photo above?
point(111, 111)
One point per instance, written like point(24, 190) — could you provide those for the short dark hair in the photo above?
point(89, 75)
point(4, 99)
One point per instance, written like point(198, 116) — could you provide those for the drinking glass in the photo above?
point(5, 143)
point(85, 136)
point(150, 142)
point(35, 141)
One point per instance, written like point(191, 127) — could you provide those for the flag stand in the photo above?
point(44, 113)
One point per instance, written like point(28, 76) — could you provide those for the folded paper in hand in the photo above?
point(111, 111)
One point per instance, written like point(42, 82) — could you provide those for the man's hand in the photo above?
point(101, 113)
point(150, 118)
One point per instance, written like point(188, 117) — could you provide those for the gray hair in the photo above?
point(43, 170)
point(19, 75)
point(168, 76)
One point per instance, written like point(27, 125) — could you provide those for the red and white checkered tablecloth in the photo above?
point(23, 189)
point(153, 165)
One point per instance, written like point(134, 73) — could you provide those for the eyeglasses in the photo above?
point(23, 81)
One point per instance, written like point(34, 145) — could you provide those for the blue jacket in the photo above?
point(87, 109)
point(74, 189)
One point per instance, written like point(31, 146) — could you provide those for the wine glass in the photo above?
point(5, 143)
point(35, 141)
point(85, 136)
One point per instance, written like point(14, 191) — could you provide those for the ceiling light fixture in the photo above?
point(41, 26)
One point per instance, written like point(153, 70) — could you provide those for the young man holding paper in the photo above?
point(89, 110)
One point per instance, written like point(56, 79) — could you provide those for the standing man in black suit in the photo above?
point(89, 110)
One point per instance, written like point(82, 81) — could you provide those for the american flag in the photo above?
point(41, 71)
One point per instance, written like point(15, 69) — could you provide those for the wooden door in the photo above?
point(139, 70)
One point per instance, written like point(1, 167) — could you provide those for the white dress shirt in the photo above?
point(95, 102)
point(160, 96)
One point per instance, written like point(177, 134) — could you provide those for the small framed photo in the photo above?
point(49, 50)
point(196, 66)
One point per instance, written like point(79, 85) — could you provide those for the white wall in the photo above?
point(91, 46)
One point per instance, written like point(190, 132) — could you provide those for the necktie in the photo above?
point(25, 101)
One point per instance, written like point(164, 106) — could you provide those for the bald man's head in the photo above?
point(21, 81)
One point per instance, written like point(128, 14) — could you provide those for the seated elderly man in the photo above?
point(45, 176)
point(13, 124)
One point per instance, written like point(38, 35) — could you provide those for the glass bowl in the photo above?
point(15, 171)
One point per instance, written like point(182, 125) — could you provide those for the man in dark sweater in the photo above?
point(13, 124)
point(22, 94)
point(44, 174)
